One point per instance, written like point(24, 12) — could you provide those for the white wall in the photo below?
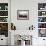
point(32, 6)
point(24, 5)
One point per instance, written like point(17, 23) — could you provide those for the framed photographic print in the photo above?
point(22, 14)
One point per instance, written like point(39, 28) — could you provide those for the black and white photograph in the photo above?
point(22, 14)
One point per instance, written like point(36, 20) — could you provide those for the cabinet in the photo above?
point(42, 19)
point(3, 40)
point(4, 21)
point(42, 41)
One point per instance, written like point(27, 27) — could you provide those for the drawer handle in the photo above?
point(1, 39)
point(43, 39)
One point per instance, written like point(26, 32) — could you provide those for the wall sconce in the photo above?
point(31, 27)
point(13, 27)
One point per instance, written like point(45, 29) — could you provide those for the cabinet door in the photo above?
point(40, 42)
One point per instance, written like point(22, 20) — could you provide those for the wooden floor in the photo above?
point(3, 45)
